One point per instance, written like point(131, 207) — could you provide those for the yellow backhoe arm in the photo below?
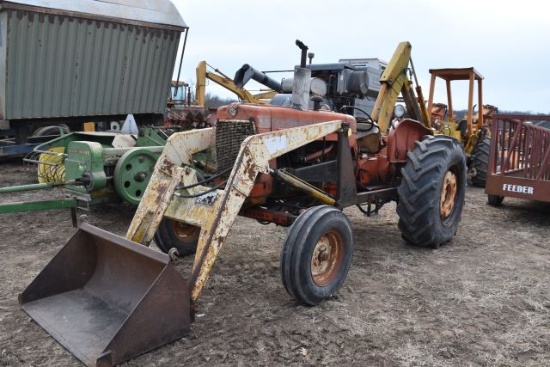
point(394, 81)
point(221, 79)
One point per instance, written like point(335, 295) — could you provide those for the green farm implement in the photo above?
point(93, 168)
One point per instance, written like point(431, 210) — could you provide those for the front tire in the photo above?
point(317, 253)
point(174, 234)
point(431, 193)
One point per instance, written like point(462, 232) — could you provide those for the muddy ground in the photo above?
point(482, 300)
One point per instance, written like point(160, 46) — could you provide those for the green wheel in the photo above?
point(132, 174)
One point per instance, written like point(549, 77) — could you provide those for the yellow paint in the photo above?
point(88, 126)
point(48, 172)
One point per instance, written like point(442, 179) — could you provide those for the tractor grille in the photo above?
point(229, 136)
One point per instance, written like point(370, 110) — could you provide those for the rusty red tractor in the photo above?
point(294, 166)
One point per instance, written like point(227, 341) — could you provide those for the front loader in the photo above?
point(292, 166)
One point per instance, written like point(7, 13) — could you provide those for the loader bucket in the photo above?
point(107, 299)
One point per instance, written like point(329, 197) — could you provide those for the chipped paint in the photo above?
point(275, 144)
point(215, 211)
point(207, 199)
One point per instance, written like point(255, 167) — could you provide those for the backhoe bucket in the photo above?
point(107, 299)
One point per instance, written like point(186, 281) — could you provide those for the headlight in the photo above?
point(399, 111)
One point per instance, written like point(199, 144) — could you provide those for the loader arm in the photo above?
point(172, 190)
point(223, 80)
point(172, 169)
point(394, 81)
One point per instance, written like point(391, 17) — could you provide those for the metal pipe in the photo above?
point(301, 83)
point(318, 154)
point(247, 72)
point(421, 101)
point(30, 206)
point(21, 188)
point(313, 191)
point(300, 88)
point(181, 62)
point(304, 49)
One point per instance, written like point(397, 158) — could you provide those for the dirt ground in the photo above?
point(482, 300)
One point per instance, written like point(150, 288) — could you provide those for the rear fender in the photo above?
point(401, 139)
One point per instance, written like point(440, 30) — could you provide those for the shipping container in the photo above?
point(65, 62)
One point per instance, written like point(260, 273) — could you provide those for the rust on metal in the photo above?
point(102, 294)
point(270, 216)
point(519, 158)
point(168, 174)
point(308, 188)
point(402, 139)
point(467, 74)
point(327, 258)
point(101, 297)
point(215, 221)
point(448, 193)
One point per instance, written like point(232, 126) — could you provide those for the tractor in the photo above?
point(473, 131)
point(108, 298)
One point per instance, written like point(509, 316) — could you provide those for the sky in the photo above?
point(508, 42)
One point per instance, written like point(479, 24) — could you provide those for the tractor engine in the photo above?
point(314, 163)
point(343, 87)
point(237, 121)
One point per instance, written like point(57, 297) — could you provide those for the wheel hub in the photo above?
point(132, 174)
point(186, 233)
point(448, 194)
point(326, 259)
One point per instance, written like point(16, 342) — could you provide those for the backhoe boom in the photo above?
point(394, 81)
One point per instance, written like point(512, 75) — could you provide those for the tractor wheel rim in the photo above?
point(186, 233)
point(327, 258)
point(448, 194)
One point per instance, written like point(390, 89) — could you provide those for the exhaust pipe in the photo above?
point(247, 72)
point(301, 82)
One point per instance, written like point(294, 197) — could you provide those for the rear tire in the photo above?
point(174, 234)
point(317, 253)
point(480, 162)
point(431, 193)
